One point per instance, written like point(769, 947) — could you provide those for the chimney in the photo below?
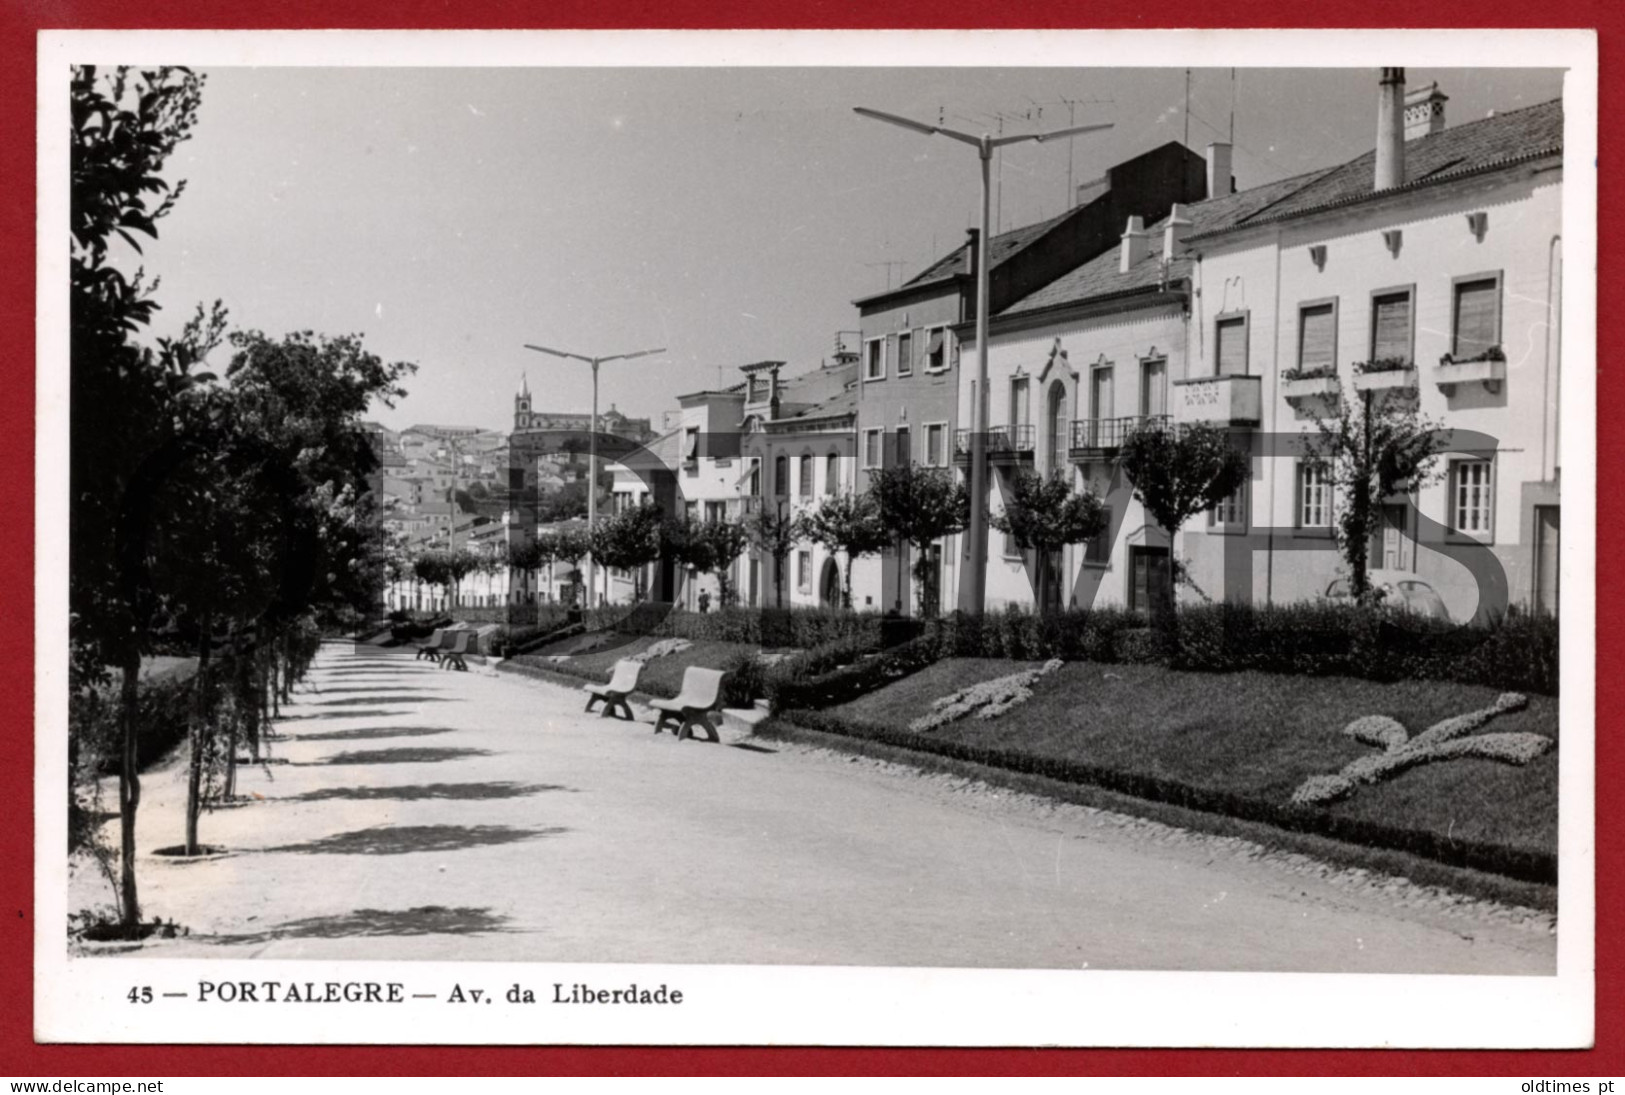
point(1173, 232)
point(1390, 130)
point(1219, 180)
point(1135, 245)
point(1424, 111)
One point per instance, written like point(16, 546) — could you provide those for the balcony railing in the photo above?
point(1102, 434)
point(1001, 441)
point(1227, 400)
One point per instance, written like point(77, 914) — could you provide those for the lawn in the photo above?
point(1243, 742)
point(599, 651)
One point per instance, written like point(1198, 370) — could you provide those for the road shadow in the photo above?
point(371, 690)
point(407, 839)
point(404, 755)
point(417, 792)
point(422, 920)
point(371, 713)
point(368, 732)
point(749, 748)
point(356, 700)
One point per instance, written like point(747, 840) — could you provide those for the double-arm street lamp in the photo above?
point(972, 593)
point(592, 442)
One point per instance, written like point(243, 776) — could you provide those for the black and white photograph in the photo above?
point(858, 538)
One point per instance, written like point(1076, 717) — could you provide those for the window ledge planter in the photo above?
point(1489, 372)
point(1378, 380)
point(1310, 387)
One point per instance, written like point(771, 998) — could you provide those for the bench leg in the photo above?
point(626, 709)
point(592, 698)
point(660, 721)
point(691, 719)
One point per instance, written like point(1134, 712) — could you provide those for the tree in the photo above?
point(459, 565)
point(1371, 449)
point(430, 568)
point(123, 128)
point(921, 505)
point(774, 533)
point(726, 541)
point(849, 523)
point(1176, 474)
point(571, 545)
point(1044, 516)
point(528, 556)
point(630, 540)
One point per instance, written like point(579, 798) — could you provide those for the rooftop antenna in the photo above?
point(888, 264)
point(1187, 141)
point(1232, 106)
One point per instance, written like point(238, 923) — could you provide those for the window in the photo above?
point(1100, 391)
point(1154, 388)
point(874, 360)
point(1230, 346)
point(936, 351)
point(691, 443)
point(1230, 515)
point(716, 512)
point(1476, 317)
point(781, 476)
point(832, 474)
point(905, 448)
point(871, 448)
point(1392, 330)
point(804, 572)
point(1317, 336)
point(1314, 495)
point(1472, 498)
point(691, 509)
point(805, 473)
point(755, 475)
point(905, 354)
point(936, 444)
point(1098, 550)
point(1020, 410)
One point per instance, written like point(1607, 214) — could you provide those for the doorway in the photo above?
point(1150, 576)
point(1548, 575)
point(829, 585)
point(1391, 545)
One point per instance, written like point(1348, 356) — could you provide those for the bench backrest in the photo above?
point(702, 688)
point(461, 645)
point(625, 677)
point(448, 638)
point(435, 637)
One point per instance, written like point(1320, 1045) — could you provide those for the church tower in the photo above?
point(521, 404)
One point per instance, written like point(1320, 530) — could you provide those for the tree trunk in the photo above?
point(1040, 584)
point(129, 789)
point(1360, 502)
point(846, 583)
point(200, 714)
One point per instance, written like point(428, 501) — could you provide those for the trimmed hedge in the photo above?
point(802, 628)
point(1517, 651)
point(1527, 865)
point(807, 688)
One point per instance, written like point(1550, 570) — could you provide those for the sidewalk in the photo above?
point(417, 813)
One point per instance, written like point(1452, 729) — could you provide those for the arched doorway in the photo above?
point(1056, 422)
point(829, 585)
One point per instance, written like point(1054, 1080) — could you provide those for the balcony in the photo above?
point(1488, 369)
point(1005, 444)
point(1095, 437)
point(1304, 389)
point(1220, 400)
point(1398, 377)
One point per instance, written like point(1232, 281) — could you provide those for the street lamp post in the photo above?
point(973, 594)
point(592, 443)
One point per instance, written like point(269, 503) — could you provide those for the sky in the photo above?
point(452, 215)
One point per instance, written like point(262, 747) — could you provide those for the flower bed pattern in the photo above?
point(1442, 741)
point(988, 700)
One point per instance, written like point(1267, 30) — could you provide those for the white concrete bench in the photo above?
point(701, 693)
point(613, 695)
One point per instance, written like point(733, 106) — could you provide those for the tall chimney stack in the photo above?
point(1220, 181)
point(1136, 245)
point(1424, 111)
point(1390, 130)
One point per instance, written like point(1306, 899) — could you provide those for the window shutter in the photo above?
point(1391, 326)
point(1232, 349)
point(1316, 337)
point(1475, 316)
